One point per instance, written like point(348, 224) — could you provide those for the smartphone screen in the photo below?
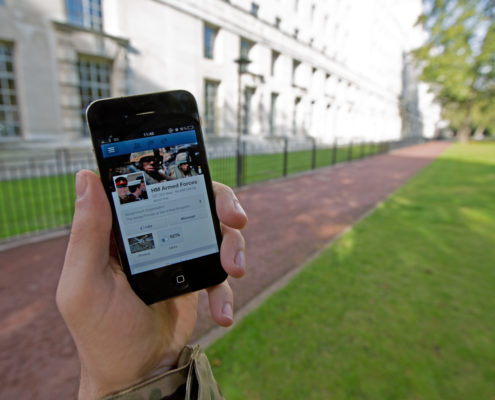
point(160, 197)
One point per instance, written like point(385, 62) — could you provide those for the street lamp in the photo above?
point(243, 61)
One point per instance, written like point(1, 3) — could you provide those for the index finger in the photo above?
point(229, 210)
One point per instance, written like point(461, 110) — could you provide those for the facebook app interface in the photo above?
point(161, 200)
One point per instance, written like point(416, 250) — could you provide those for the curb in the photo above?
point(28, 239)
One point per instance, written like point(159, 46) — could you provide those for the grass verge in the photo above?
point(401, 307)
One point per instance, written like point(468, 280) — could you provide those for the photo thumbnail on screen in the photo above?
point(141, 243)
point(131, 187)
point(160, 164)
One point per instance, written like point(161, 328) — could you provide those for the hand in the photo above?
point(121, 340)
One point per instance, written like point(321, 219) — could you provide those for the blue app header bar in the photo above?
point(148, 143)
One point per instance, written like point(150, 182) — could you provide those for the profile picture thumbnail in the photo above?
point(141, 243)
point(131, 187)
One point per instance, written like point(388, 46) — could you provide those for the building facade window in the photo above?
point(295, 66)
point(254, 9)
point(296, 115)
point(244, 51)
point(94, 82)
point(211, 93)
point(85, 13)
point(209, 38)
point(273, 64)
point(273, 114)
point(246, 120)
point(10, 125)
point(246, 46)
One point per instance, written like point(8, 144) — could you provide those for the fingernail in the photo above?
point(227, 311)
point(81, 185)
point(240, 260)
point(238, 207)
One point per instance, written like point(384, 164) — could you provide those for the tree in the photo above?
point(458, 61)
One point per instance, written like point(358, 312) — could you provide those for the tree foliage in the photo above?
point(458, 61)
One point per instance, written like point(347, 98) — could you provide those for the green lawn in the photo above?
point(401, 307)
point(35, 204)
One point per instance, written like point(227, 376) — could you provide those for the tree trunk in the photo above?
point(478, 133)
point(464, 133)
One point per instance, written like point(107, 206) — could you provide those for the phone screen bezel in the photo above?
point(126, 118)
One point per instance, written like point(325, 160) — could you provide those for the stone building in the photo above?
point(320, 68)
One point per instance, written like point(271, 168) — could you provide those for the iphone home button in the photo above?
point(179, 281)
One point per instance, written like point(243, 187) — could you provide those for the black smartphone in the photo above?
point(152, 161)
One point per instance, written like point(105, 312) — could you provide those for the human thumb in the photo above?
point(89, 242)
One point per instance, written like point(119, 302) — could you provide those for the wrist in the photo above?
point(87, 387)
point(167, 364)
point(91, 388)
point(191, 377)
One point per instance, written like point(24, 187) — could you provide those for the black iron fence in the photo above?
point(38, 190)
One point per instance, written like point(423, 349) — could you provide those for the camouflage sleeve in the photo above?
point(191, 380)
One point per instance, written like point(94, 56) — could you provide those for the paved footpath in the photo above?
point(289, 220)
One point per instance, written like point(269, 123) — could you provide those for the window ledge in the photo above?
point(64, 26)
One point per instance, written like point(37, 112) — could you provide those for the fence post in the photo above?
point(313, 155)
point(334, 152)
point(7, 190)
point(238, 177)
point(286, 156)
point(59, 157)
point(244, 163)
point(349, 151)
point(69, 179)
